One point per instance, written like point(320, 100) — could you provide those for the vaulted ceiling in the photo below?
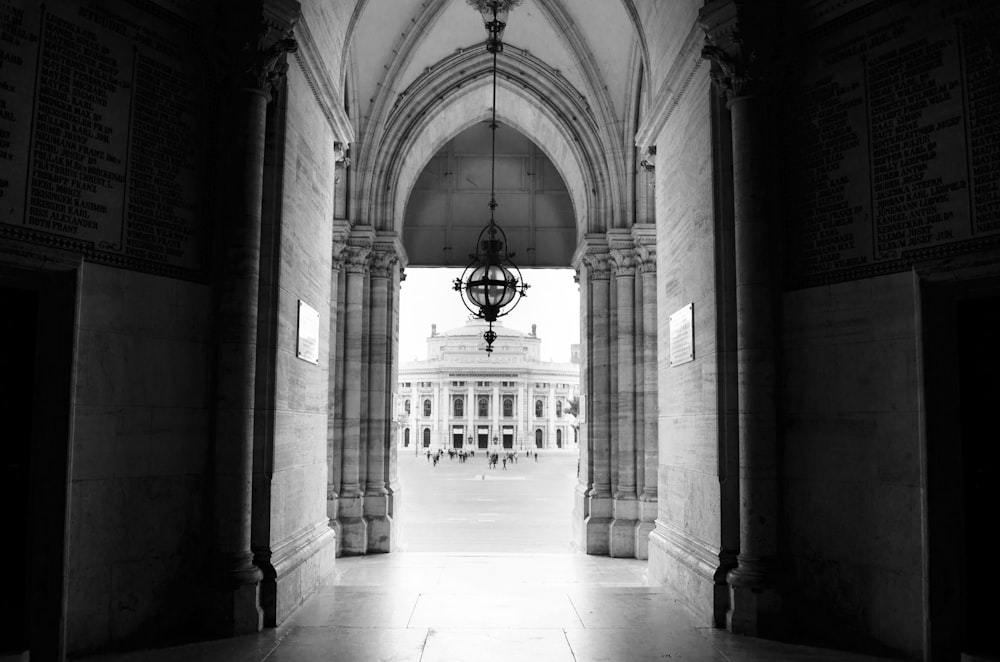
point(571, 80)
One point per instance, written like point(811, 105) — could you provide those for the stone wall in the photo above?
point(684, 546)
point(140, 448)
point(298, 534)
point(852, 458)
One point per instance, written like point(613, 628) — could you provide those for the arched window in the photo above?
point(558, 408)
point(508, 407)
point(427, 437)
point(538, 408)
point(538, 438)
point(558, 438)
point(427, 407)
point(459, 408)
point(406, 406)
point(484, 407)
point(406, 436)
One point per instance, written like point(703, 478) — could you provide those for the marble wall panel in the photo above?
point(852, 453)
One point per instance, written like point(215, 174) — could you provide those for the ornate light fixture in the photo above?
point(491, 286)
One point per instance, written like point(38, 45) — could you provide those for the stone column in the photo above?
point(334, 428)
point(495, 413)
point(594, 257)
point(645, 239)
point(550, 415)
point(732, 33)
point(622, 542)
point(261, 38)
point(354, 529)
point(376, 504)
point(470, 416)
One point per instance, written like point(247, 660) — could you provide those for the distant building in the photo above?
point(462, 397)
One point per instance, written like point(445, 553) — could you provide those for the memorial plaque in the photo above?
point(682, 336)
point(307, 347)
point(893, 149)
point(102, 133)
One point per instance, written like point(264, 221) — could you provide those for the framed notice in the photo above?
point(682, 336)
point(307, 347)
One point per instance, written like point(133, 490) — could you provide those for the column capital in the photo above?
point(341, 231)
point(356, 258)
point(624, 259)
point(644, 237)
point(382, 262)
point(737, 41)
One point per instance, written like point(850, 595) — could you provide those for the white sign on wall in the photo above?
point(307, 348)
point(682, 336)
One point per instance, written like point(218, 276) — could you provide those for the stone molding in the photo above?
point(301, 546)
point(324, 88)
point(697, 555)
point(672, 90)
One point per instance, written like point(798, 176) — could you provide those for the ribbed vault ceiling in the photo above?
point(578, 73)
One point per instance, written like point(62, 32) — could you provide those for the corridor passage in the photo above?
point(461, 591)
point(437, 607)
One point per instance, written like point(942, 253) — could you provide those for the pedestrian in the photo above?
point(505, 463)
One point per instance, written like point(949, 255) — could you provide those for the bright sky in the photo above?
point(552, 303)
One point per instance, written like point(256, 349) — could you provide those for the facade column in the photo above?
point(626, 509)
point(354, 529)
point(384, 259)
point(234, 595)
point(334, 428)
point(550, 416)
point(645, 238)
point(470, 417)
point(495, 414)
point(521, 428)
point(732, 31)
point(595, 260)
point(585, 473)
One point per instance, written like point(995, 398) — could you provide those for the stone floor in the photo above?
point(485, 602)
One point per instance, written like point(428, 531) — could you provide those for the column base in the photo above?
point(597, 526)
point(235, 610)
point(642, 531)
point(647, 517)
point(353, 526)
point(379, 524)
point(621, 532)
point(755, 608)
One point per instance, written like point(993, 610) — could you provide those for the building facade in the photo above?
point(463, 398)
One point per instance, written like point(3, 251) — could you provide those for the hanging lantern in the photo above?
point(491, 286)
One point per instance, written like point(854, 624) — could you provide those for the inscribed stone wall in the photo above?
point(688, 520)
point(851, 461)
point(893, 152)
point(102, 133)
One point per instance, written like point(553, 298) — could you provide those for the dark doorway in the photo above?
point(427, 437)
point(484, 440)
point(17, 372)
point(457, 439)
point(979, 396)
point(36, 387)
point(960, 322)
